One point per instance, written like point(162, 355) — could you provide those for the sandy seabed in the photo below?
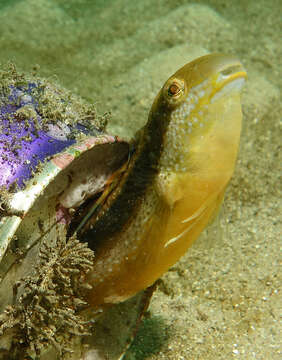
point(221, 300)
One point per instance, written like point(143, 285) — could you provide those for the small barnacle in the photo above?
point(5, 196)
point(25, 112)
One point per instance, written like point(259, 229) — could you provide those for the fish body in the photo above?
point(174, 182)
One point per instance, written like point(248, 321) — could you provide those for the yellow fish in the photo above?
point(174, 182)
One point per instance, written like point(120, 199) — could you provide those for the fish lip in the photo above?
point(229, 79)
point(229, 69)
point(224, 64)
point(229, 74)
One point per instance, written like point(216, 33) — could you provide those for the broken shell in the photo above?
point(47, 147)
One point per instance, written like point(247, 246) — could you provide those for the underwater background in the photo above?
point(221, 301)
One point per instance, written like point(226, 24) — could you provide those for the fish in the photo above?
point(173, 183)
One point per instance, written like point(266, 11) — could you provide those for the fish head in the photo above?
point(203, 115)
point(203, 118)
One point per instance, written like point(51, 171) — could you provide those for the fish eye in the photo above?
point(174, 90)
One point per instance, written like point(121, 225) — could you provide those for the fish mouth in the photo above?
point(230, 79)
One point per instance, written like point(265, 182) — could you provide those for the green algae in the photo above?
point(48, 310)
